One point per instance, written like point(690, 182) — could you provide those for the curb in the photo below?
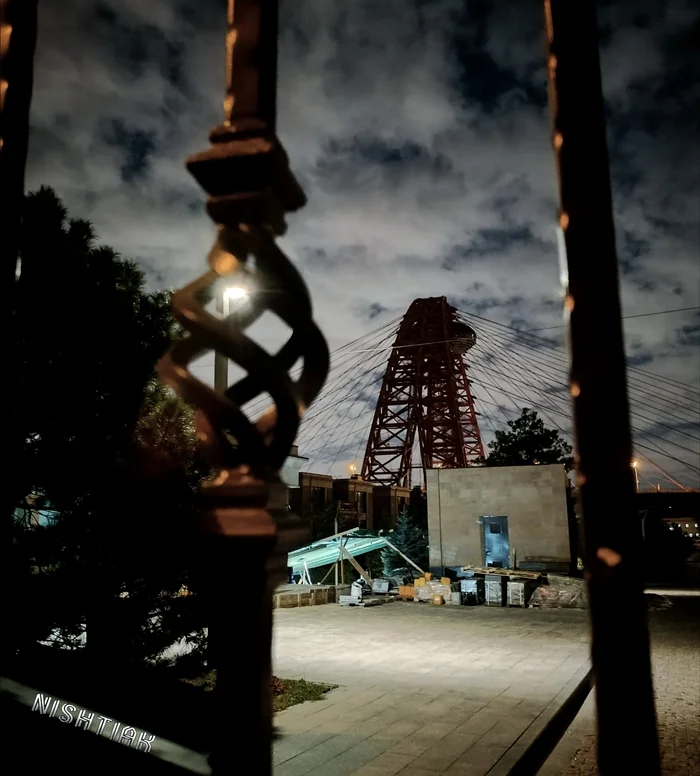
point(527, 755)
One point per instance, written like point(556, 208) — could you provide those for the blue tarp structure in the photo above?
point(30, 515)
point(326, 551)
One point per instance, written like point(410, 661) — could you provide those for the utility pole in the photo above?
point(627, 736)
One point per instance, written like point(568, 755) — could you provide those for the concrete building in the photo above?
point(509, 516)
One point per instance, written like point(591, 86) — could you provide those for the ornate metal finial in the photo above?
point(246, 173)
point(247, 527)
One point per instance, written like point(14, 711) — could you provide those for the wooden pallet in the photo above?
point(498, 572)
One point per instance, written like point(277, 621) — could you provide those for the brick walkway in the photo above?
point(675, 647)
point(424, 690)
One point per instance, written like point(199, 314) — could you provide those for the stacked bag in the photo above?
point(436, 591)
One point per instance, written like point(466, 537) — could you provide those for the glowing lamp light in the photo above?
point(635, 464)
point(353, 468)
point(235, 292)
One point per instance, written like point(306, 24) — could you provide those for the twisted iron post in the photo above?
point(245, 523)
point(627, 737)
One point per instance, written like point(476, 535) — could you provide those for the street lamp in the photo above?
point(635, 466)
point(223, 306)
point(233, 292)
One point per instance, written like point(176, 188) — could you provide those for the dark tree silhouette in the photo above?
point(665, 550)
point(107, 447)
point(321, 520)
point(418, 507)
point(528, 441)
point(411, 539)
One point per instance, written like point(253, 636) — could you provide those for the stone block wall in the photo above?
point(533, 498)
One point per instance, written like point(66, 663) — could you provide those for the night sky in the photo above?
point(420, 131)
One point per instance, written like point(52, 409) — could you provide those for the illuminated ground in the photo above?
point(424, 689)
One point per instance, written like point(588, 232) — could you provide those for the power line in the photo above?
point(642, 432)
point(641, 455)
point(633, 412)
point(359, 393)
point(322, 407)
point(332, 380)
point(684, 386)
point(491, 369)
point(561, 361)
point(306, 429)
point(554, 350)
point(369, 334)
point(553, 345)
point(628, 317)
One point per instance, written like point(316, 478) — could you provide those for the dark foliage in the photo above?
point(110, 450)
point(418, 507)
point(409, 537)
point(528, 441)
point(321, 521)
point(665, 550)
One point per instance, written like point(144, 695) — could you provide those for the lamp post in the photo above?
point(223, 307)
point(635, 467)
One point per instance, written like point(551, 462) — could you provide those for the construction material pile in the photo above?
point(490, 586)
point(560, 593)
point(436, 591)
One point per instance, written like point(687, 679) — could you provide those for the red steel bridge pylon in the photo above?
point(425, 389)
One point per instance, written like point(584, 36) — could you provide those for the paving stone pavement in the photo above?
point(675, 654)
point(424, 690)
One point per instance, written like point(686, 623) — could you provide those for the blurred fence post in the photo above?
point(627, 736)
point(245, 526)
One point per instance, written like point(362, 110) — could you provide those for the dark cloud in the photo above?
point(689, 335)
point(135, 145)
point(489, 242)
point(375, 309)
